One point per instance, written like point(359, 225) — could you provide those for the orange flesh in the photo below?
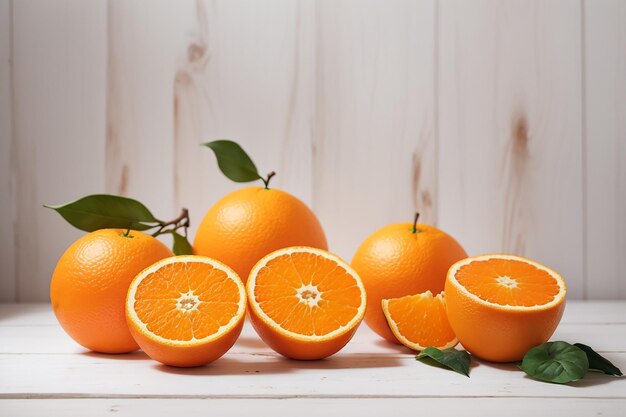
point(329, 297)
point(183, 301)
point(508, 282)
point(421, 319)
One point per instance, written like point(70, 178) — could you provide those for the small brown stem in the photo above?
point(181, 221)
point(267, 180)
point(417, 216)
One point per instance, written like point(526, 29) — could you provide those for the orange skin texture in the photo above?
point(249, 223)
point(498, 335)
point(90, 282)
point(187, 356)
point(298, 349)
point(395, 262)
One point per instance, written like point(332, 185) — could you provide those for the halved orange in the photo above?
point(419, 321)
point(305, 303)
point(500, 306)
point(186, 310)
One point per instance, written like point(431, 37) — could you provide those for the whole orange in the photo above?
point(90, 282)
point(249, 223)
point(396, 261)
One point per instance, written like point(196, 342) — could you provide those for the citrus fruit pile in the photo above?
point(262, 253)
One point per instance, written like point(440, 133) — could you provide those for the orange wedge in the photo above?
point(305, 303)
point(500, 306)
point(186, 310)
point(419, 321)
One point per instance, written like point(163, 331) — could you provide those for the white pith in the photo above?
point(254, 305)
point(309, 295)
point(555, 301)
point(187, 302)
point(132, 291)
point(507, 282)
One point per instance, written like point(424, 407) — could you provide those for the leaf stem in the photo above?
point(266, 181)
point(417, 216)
point(181, 221)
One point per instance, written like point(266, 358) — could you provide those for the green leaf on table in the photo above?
point(233, 161)
point(104, 211)
point(457, 360)
point(597, 362)
point(181, 245)
point(557, 362)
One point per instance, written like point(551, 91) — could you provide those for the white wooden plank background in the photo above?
point(244, 73)
point(510, 131)
point(374, 144)
point(605, 145)
point(59, 74)
point(7, 213)
point(502, 122)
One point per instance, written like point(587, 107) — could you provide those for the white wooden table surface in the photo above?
point(43, 372)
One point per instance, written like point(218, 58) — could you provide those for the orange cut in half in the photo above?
point(420, 321)
point(186, 310)
point(305, 303)
point(500, 306)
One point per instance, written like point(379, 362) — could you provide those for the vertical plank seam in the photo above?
point(12, 188)
point(107, 53)
point(583, 121)
point(293, 95)
point(436, 108)
point(313, 127)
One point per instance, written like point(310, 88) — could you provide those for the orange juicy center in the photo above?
point(421, 319)
point(508, 282)
point(307, 294)
point(186, 301)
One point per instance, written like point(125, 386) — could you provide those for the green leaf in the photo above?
point(557, 362)
point(597, 362)
point(181, 245)
point(233, 161)
point(104, 211)
point(457, 360)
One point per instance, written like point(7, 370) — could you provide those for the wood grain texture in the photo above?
point(142, 42)
point(58, 129)
point(374, 144)
point(245, 75)
point(510, 159)
point(8, 282)
point(367, 368)
point(312, 407)
point(605, 146)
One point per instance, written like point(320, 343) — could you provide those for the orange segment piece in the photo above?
point(186, 310)
point(420, 321)
point(305, 303)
